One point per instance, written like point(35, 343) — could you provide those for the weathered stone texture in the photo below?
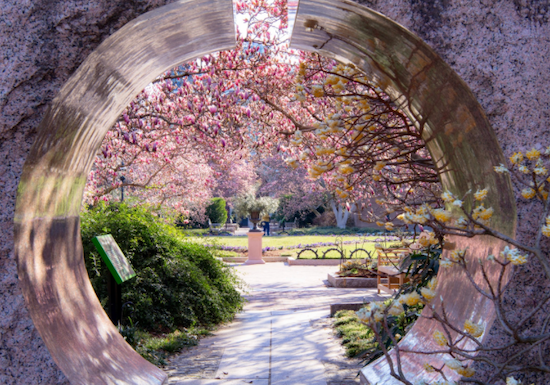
point(499, 47)
point(42, 44)
point(501, 50)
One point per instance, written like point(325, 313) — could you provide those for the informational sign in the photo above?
point(116, 261)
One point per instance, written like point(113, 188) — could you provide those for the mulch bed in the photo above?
point(361, 273)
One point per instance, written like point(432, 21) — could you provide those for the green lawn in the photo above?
point(290, 243)
point(279, 240)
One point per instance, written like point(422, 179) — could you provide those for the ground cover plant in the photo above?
point(358, 269)
point(179, 284)
point(360, 340)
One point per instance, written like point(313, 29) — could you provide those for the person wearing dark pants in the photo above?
point(265, 219)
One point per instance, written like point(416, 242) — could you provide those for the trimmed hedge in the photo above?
point(216, 210)
point(178, 283)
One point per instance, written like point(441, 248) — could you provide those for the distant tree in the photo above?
point(216, 211)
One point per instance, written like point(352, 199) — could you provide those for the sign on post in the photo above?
point(116, 261)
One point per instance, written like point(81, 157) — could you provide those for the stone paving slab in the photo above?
point(283, 337)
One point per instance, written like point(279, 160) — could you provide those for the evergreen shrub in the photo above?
point(178, 283)
point(216, 210)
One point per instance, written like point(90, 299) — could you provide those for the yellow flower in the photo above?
point(501, 169)
point(546, 230)
point(540, 170)
point(473, 329)
point(548, 220)
point(532, 154)
point(429, 368)
point(447, 197)
point(453, 364)
point(466, 372)
point(363, 315)
point(317, 91)
point(440, 338)
point(513, 256)
point(441, 215)
point(424, 209)
point(482, 213)
point(480, 195)
point(524, 169)
point(458, 203)
point(378, 317)
point(432, 284)
point(346, 169)
point(486, 214)
point(379, 165)
point(395, 309)
point(528, 193)
point(445, 263)
point(427, 293)
point(410, 299)
point(516, 158)
point(461, 222)
point(512, 381)
point(457, 255)
point(388, 226)
point(426, 238)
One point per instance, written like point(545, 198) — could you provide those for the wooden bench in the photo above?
point(390, 277)
point(219, 227)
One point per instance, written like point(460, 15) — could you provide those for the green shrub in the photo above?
point(216, 210)
point(178, 283)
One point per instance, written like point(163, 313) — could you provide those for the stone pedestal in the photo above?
point(255, 247)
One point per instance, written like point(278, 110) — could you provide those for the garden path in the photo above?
point(283, 337)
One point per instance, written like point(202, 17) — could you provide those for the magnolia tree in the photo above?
point(298, 194)
point(358, 141)
point(191, 133)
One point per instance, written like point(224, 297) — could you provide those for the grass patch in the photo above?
point(356, 337)
point(156, 348)
point(359, 340)
point(279, 240)
point(334, 231)
point(291, 245)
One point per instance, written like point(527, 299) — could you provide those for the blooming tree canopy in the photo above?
point(216, 125)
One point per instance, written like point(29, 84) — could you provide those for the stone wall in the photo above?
point(42, 44)
point(499, 48)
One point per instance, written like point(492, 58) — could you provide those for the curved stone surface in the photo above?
point(499, 47)
point(59, 296)
point(457, 134)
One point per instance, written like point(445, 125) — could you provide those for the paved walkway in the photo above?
point(284, 336)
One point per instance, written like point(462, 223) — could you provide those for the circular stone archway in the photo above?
point(60, 299)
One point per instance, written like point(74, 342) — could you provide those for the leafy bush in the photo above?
point(216, 210)
point(178, 283)
point(244, 204)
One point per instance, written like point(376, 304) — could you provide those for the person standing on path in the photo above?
point(266, 219)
